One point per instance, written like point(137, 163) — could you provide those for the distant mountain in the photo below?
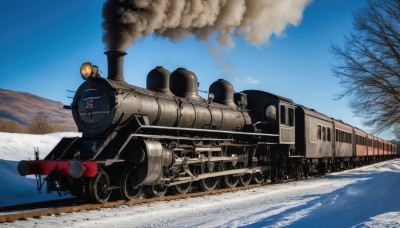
point(24, 107)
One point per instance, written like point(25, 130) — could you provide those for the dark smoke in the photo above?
point(126, 21)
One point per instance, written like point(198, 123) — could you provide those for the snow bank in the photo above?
point(16, 189)
point(16, 147)
point(391, 219)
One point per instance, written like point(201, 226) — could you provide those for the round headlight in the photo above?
point(86, 70)
point(90, 71)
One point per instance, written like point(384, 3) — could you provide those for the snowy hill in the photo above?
point(364, 197)
point(23, 107)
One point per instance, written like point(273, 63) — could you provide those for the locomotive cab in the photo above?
point(272, 114)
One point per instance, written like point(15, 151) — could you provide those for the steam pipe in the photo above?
point(115, 61)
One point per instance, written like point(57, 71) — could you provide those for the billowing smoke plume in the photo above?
point(126, 21)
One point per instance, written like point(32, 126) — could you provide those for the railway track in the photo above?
point(57, 207)
point(41, 205)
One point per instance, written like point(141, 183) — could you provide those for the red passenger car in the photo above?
point(360, 146)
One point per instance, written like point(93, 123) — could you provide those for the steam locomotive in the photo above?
point(137, 140)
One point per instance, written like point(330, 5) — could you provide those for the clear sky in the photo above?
point(43, 44)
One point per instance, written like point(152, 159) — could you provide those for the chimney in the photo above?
point(115, 61)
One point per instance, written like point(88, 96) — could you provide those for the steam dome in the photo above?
point(184, 83)
point(158, 80)
point(223, 92)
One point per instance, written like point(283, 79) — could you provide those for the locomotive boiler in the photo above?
point(171, 101)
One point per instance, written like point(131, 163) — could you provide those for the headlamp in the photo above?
point(90, 71)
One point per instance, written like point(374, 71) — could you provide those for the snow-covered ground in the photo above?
point(367, 196)
point(14, 188)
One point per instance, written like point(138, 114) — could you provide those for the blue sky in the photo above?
point(44, 43)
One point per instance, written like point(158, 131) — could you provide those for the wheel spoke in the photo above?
point(129, 184)
point(210, 183)
point(230, 181)
point(183, 188)
point(245, 179)
point(99, 187)
point(258, 178)
point(158, 190)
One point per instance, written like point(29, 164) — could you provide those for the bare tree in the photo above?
point(41, 125)
point(368, 65)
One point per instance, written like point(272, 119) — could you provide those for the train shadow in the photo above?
point(372, 194)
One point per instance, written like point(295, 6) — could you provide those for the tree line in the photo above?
point(41, 124)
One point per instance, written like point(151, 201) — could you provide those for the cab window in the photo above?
point(283, 115)
point(291, 117)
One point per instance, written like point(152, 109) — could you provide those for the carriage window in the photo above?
point(324, 133)
point(291, 117)
point(283, 115)
point(270, 114)
point(328, 134)
point(337, 135)
point(319, 132)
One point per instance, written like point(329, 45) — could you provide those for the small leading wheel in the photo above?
point(99, 187)
point(129, 184)
point(158, 190)
point(183, 188)
point(230, 181)
point(245, 179)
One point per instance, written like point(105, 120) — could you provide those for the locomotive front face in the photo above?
point(93, 107)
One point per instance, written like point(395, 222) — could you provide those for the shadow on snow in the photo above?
point(372, 195)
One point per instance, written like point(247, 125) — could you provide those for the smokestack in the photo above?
point(115, 61)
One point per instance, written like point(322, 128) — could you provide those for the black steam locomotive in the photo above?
point(168, 137)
